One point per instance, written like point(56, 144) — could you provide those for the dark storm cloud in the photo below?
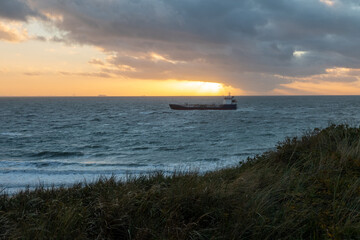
point(16, 10)
point(245, 43)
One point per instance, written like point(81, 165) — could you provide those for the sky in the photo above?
point(179, 47)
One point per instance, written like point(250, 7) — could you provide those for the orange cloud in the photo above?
point(319, 88)
point(335, 81)
point(96, 61)
point(12, 33)
point(54, 17)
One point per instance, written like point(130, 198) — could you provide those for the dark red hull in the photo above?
point(203, 107)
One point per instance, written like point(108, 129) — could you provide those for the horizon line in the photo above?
point(304, 95)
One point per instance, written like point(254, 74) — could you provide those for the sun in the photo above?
point(203, 87)
point(195, 88)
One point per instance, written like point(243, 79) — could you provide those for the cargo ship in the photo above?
point(229, 103)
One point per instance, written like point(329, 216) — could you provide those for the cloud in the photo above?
point(11, 33)
point(16, 10)
point(58, 39)
point(248, 43)
point(318, 88)
point(31, 74)
point(87, 74)
point(9, 36)
point(39, 38)
point(333, 81)
point(96, 62)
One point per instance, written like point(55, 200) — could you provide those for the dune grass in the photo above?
point(308, 188)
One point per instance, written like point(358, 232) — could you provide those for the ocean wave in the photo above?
point(140, 148)
point(148, 112)
point(94, 146)
point(95, 120)
point(241, 154)
point(210, 159)
point(115, 164)
point(92, 172)
point(52, 154)
point(65, 126)
point(12, 134)
point(8, 166)
point(267, 135)
point(170, 148)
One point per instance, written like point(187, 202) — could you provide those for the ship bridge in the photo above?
point(229, 100)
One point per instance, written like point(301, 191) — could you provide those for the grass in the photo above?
point(308, 188)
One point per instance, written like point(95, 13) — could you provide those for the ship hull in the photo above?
point(203, 107)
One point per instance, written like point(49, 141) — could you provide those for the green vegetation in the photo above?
point(308, 188)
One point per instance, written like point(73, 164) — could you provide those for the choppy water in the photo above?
point(65, 140)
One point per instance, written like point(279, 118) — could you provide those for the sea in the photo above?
point(51, 141)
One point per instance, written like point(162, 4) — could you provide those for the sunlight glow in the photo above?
point(194, 88)
point(299, 53)
point(328, 2)
point(54, 17)
point(319, 88)
point(338, 70)
point(157, 57)
point(201, 87)
point(68, 84)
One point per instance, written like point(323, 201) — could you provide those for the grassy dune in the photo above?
point(308, 187)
